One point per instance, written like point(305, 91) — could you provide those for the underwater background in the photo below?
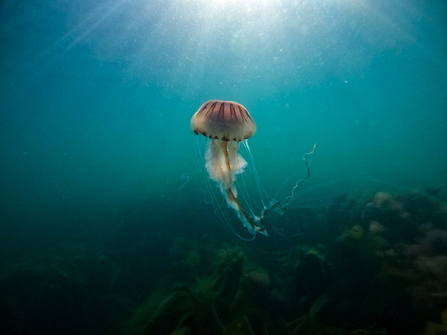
point(108, 222)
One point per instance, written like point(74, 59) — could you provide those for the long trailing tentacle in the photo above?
point(282, 206)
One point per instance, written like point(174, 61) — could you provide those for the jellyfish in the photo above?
point(226, 123)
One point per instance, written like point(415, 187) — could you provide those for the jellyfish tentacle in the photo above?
point(283, 206)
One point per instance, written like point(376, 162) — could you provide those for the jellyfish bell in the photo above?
point(226, 124)
point(223, 120)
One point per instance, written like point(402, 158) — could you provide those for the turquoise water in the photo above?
point(96, 99)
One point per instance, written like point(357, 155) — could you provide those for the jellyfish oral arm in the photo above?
point(223, 163)
point(243, 217)
point(218, 169)
point(259, 227)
